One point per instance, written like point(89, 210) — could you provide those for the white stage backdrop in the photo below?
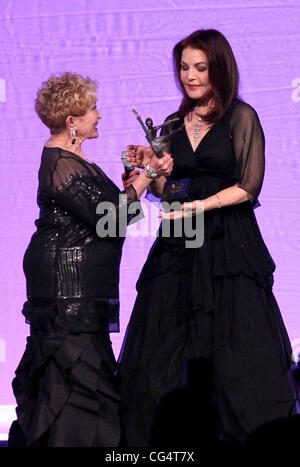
point(125, 45)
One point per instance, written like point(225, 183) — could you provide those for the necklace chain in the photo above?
point(197, 129)
point(199, 123)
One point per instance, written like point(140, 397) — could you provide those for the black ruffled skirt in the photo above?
point(65, 384)
point(216, 303)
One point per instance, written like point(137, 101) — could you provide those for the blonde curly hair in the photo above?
point(63, 95)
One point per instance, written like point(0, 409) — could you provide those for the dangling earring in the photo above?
point(73, 135)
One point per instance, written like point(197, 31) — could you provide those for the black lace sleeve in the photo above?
point(248, 146)
point(79, 187)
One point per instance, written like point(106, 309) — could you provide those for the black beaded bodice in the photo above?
point(66, 259)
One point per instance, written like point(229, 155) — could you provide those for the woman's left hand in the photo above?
point(163, 166)
point(132, 177)
point(187, 210)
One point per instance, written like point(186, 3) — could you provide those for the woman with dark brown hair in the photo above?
point(213, 301)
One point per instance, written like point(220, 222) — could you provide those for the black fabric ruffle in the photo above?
point(244, 335)
point(47, 381)
point(210, 302)
point(71, 315)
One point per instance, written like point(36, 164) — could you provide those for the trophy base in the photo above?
point(176, 190)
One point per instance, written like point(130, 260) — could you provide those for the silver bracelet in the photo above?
point(149, 172)
point(219, 201)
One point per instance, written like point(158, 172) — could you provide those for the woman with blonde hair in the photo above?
point(64, 384)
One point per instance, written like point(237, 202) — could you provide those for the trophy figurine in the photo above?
point(174, 190)
point(159, 144)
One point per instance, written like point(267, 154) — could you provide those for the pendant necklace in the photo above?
point(197, 128)
point(199, 124)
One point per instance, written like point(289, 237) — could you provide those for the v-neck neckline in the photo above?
point(198, 145)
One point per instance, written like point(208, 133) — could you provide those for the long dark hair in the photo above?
point(223, 71)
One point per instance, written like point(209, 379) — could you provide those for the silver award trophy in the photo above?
point(159, 144)
point(174, 190)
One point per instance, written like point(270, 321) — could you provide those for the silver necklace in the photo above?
point(197, 128)
point(199, 123)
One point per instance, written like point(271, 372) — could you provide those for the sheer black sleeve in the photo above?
point(78, 187)
point(248, 146)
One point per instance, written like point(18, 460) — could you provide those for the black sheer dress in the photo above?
point(212, 302)
point(65, 383)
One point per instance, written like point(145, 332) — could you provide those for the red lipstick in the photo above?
point(193, 87)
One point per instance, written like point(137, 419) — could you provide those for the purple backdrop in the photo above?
point(125, 45)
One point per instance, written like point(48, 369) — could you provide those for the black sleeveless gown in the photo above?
point(214, 301)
